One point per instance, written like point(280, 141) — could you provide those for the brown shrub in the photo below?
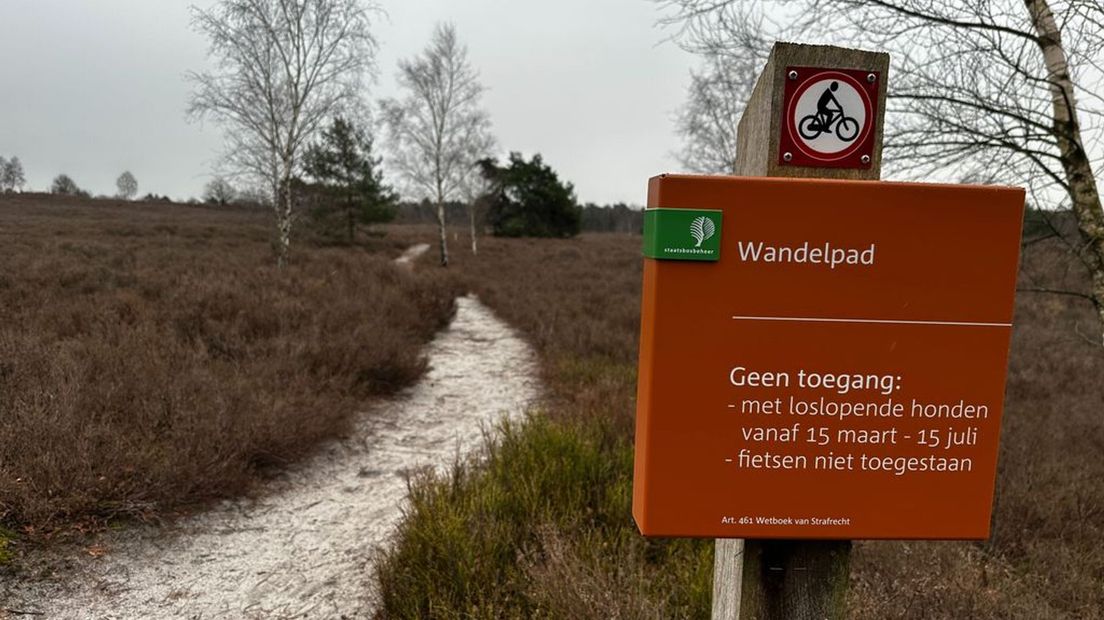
point(151, 356)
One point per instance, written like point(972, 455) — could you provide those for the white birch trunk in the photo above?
point(283, 206)
point(1083, 191)
point(441, 229)
point(471, 214)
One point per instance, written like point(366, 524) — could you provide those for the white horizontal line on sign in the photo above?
point(807, 319)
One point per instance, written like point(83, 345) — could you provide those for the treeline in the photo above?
point(613, 218)
point(126, 185)
point(341, 191)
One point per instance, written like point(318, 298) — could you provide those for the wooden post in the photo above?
point(789, 579)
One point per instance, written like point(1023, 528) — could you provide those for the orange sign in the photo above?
point(837, 372)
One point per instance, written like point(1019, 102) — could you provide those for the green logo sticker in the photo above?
point(682, 234)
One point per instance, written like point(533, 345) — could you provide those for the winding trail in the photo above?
point(305, 548)
point(411, 254)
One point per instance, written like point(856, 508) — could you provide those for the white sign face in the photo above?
point(830, 114)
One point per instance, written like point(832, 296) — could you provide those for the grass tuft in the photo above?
point(7, 540)
point(498, 521)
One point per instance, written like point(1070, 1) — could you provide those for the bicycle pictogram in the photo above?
point(830, 117)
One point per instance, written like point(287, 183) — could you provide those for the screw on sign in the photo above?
point(828, 117)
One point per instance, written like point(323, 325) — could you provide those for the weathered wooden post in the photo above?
point(793, 580)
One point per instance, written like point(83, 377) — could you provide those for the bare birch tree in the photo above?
point(987, 90)
point(715, 101)
point(13, 178)
point(474, 190)
point(127, 186)
point(281, 69)
point(219, 191)
point(439, 129)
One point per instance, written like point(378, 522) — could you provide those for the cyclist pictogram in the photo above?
point(829, 117)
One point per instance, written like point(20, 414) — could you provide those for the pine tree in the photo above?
point(351, 191)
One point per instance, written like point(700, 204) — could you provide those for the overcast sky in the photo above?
point(94, 88)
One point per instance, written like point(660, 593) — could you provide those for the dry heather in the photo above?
point(548, 514)
point(1045, 558)
point(151, 357)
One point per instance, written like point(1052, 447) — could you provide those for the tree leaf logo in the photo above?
point(702, 229)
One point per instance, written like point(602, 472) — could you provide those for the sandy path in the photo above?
point(305, 549)
point(412, 254)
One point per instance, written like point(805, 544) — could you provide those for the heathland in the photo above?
point(152, 360)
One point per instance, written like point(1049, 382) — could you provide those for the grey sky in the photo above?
point(93, 88)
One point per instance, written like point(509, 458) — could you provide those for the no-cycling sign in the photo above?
point(822, 359)
point(828, 117)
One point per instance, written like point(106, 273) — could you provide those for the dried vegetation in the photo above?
point(152, 358)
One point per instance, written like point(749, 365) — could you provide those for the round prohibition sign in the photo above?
point(829, 116)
